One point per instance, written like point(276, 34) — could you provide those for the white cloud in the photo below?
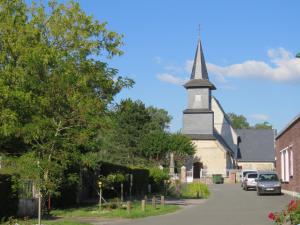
point(261, 117)
point(228, 87)
point(189, 65)
point(283, 67)
point(173, 68)
point(158, 59)
point(170, 78)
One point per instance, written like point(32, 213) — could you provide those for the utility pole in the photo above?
point(172, 164)
point(40, 207)
point(130, 187)
point(39, 196)
point(122, 192)
point(100, 195)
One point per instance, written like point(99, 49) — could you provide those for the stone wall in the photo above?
point(256, 165)
point(28, 207)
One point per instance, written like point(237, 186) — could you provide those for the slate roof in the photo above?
point(256, 145)
point(199, 75)
point(196, 83)
point(199, 70)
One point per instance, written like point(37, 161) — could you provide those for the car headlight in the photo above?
point(277, 185)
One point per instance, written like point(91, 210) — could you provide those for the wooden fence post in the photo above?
point(162, 200)
point(128, 206)
point(154, 202)
point(143, 205)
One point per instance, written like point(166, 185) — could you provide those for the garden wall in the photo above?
point(8, 196)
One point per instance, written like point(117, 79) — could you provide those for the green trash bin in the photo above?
point(217, 178)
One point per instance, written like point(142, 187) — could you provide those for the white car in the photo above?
point(250, 181)
point(244, 174)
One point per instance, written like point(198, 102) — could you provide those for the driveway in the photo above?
point(228, 204)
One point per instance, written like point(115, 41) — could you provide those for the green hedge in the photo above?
point(157, 179)
point(69, 193)
point(194, 190)
point(8, 196)
point(140, 179)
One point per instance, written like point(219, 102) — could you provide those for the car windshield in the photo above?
point(268, 177)
point(252, 175)
point(245, 173)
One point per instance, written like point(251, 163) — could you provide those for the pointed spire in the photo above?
point(199, 67)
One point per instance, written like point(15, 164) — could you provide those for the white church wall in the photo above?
point(213, 158)
point(223, 126)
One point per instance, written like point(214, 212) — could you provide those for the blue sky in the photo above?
point(249, 47)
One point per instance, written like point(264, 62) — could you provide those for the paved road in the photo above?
point(228, 205)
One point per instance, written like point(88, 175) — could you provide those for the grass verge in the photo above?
point(136, 212)
point(46, 222)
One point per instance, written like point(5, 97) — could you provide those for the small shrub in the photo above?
point(158, 175)
point(157, 178)
point(173, 189)
point(112, 204)
point(195, 190)
point(14, 221)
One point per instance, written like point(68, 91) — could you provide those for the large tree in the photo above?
point(140, 133)
point(264, 125)
point(54, 90)
point(156, 147)
point(238, 121)
point(131, 121)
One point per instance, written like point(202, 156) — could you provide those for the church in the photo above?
point(208, 126)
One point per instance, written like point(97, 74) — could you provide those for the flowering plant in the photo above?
point(290, 215)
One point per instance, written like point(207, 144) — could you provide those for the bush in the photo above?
point(112, 204)
point(195, 190)
point(173, 189)
point(8, 196)
point(157, 178)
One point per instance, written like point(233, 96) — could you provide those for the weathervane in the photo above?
point(199, 31)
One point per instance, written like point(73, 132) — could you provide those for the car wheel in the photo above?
point(258, 193)
point(246, 189)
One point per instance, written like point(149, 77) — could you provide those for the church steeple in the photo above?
point(199, 76)
point(198, 118)
point(199, 67)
